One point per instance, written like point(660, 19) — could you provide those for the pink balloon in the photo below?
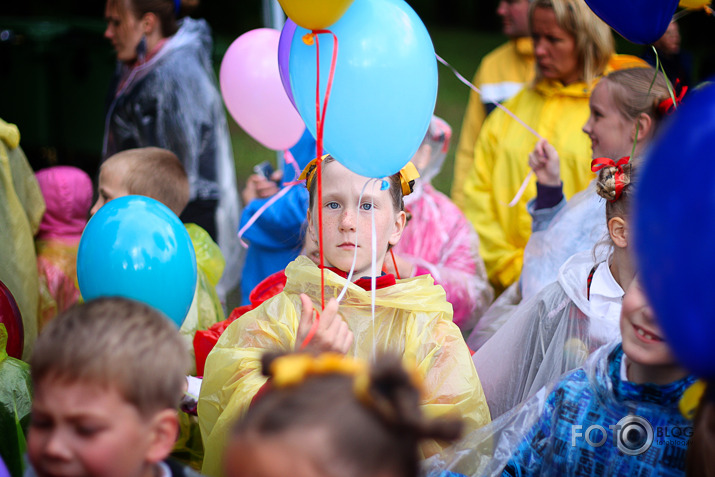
point(253, 92)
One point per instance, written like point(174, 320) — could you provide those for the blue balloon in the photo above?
point(675, 231)
point(135, 247)
point(384, 90)
point(638, 21)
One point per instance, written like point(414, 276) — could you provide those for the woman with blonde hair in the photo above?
point(572, 49)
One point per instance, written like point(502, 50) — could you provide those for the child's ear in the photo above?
point(400, 221)
point(311, 229)
point(163, 432)
point(150, 23)
point(618, 230)
point(645, 124)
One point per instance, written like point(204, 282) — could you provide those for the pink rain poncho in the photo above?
point(68, 195)
point(439, 240)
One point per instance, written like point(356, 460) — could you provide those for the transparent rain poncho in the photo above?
point(171, 101)
point(412, 318)
point(544, 337)
point(439, 239)
point(545, 434)
point(577, 227)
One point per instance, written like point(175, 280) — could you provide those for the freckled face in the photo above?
point(347, 220)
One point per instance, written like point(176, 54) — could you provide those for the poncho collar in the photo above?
point(626, 391)
point(383, 281)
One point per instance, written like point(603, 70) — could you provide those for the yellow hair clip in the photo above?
point(691, 398)
point(293, 369)
point(308, 173)
point(408, 175)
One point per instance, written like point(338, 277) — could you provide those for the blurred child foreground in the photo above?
point(107, 376)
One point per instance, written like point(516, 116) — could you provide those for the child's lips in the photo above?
point(347, 245)
point(647, 336)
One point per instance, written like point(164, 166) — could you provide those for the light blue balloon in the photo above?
point(135, 247)
point(384, 89)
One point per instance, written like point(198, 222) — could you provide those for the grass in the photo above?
point(463, 49)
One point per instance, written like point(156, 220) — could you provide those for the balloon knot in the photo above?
point(309, 39)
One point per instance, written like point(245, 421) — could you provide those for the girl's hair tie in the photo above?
point(408, 175)
point(308, 173)
point(667, 106)
point(177, 7)
point(601, 162)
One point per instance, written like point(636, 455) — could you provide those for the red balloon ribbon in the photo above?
point(601, 162)
point(320, 123)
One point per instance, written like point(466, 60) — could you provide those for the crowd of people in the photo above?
point(385, 328)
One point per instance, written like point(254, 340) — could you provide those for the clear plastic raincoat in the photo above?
point(544, 337)
point(21, 209)
point(171, 101)
point(412, 317)
point(546, 434)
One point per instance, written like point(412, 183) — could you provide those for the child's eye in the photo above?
point(87, 431)
point(332, 205)
point(366, 206)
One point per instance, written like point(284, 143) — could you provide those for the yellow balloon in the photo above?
point(693, 4)
point(315, 14)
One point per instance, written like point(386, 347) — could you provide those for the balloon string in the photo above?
point(394, 263)
point(464, 80)
point(261, 210)
point(495, 103)
point(320, 123)
point(311, 332)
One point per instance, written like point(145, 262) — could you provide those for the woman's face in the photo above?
point(554, 48)
point(124, 30)
point(609, 130)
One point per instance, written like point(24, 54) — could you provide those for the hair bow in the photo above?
point(667, 106)
point(601, 162)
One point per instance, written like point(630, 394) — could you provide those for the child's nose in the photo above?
point(347, 220)
point(56, 446)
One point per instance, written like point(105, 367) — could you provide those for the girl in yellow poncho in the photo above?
point(412, 317)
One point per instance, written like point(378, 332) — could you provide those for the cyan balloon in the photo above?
point(384, 90)
point(638, 21)
point(675, 231)
point(135, 247)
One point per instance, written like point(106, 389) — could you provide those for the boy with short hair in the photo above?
point(158, 173)
point(107, 376)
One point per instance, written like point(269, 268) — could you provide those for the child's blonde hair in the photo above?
point(115, 343)
point(155, 173)
point(594, 41)
point(638, 91)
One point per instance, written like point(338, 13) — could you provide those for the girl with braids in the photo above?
point(331, 416)
point(165, 95)
point(557, 328)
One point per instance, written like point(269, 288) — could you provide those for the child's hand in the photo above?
point(331, 334)
point(258, 187)
point(544, 160)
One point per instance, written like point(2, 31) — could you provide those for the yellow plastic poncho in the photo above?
point(21, 209)
point(412, 318)
point(206, 308)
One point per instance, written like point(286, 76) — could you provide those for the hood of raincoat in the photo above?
point(68, 196)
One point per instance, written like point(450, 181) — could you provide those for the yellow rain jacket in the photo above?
point(501, 157)
point(206, 308)
point(412, 318)
point(21, 209)
point(501, 74)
